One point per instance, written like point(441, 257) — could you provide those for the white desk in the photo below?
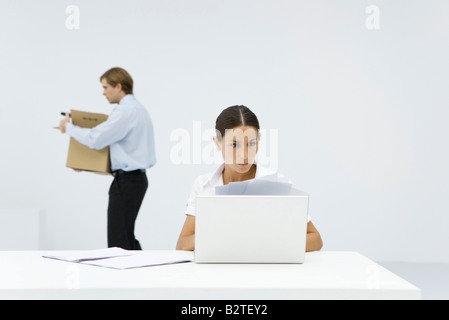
point(324, 275)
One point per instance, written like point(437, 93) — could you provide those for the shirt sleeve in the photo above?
point(112, 130)
point(191, 203)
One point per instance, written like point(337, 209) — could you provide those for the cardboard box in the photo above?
point(82, 157)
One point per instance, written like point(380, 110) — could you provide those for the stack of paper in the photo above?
point(117, 258)
point(274, 185)
point(144, 259)
point(83, 256)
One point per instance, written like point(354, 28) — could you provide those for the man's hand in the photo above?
point(63, 123)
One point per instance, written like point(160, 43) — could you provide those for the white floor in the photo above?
point(431, 278)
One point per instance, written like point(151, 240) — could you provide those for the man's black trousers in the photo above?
point(125, 197)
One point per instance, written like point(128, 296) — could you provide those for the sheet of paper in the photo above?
point(268, 185)
point(268, 188)
point(143, 259)
point(233, 188)
point(79, 256)
point(276, 178)
point(296, 192)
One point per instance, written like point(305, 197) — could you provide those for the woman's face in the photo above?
point(239, 147)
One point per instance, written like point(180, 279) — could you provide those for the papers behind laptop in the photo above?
point(270, 185)
point(117, 258)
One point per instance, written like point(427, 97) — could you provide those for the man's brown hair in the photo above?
point(115, 76)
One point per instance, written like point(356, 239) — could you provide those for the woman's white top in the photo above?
point(205, 185)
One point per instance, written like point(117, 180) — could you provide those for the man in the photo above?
point(129, 134)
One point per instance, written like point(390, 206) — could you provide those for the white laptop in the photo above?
point(251, 229)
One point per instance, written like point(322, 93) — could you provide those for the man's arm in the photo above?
point(112, 130)
point(63, 123)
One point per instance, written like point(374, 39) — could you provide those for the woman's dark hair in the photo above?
point(235, 116)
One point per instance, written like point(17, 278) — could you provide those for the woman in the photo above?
point(237, 138)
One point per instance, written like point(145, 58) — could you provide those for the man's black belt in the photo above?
point(121, 172)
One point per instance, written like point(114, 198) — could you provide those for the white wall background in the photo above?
point(362, 115)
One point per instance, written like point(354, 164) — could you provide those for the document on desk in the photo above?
point(144, 259)
point(117, 258)
point(80, 256)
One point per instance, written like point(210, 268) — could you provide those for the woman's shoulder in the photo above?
point(209, 179)
point(202, 179)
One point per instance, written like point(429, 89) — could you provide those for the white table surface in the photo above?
point(324, 275)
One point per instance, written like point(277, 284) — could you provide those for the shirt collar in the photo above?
point(216, 178)
point(126, 99)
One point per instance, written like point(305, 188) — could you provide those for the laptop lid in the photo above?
point(251, 229)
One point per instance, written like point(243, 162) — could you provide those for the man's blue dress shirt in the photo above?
point(128, 132)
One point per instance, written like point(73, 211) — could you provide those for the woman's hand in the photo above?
point(186, 239)
point(313, 241)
